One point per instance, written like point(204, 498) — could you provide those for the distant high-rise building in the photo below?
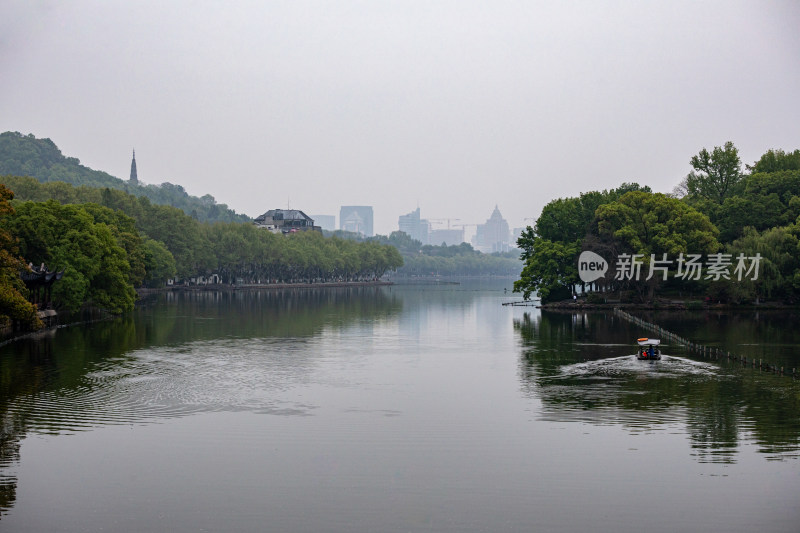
point(450, 237)
point(326, 222)
point(356, 219)
point(493, 236)
point(414, 227)
point(134, 177)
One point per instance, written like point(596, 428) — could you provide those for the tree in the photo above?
point(653, 225)
point(716, 174)
point(13, 302)
point(550, 270)
point(775, 161)
point(779, 268)
point(550, 249)
point(96, 267)
point(768, 200)
point(646, 223)
point(159, 263)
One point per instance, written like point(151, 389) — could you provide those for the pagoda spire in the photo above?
point(134, 177)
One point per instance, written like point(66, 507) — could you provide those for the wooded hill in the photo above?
point(25, 155)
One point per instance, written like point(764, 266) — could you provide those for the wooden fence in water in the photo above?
point(706, 351)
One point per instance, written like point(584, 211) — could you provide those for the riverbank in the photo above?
point(61, 319)
point(228, 287)
point(660, 305)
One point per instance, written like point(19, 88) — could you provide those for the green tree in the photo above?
point(778, 271)
point(96, 268)
point(13, 302)
point(768, 200)
point(159, 263)
point(550, 249)
point(647, 223)
point(550, 270)
point(716, 174)
point(775, 161)
point(653, 225)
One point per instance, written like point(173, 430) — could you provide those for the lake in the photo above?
point(418, 408)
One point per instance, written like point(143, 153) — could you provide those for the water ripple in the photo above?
point(622, 390)
point(174, 381)
point(629, 365)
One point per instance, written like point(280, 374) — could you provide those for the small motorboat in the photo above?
point(648, 349)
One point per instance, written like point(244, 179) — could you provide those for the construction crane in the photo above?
point(440, 220)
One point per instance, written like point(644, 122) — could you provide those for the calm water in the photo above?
point(404, 408)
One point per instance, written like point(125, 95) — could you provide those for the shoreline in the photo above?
point(99, 315)
point(672, 305)
point(227, 287)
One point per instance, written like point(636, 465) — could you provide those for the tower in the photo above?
point(134, 177)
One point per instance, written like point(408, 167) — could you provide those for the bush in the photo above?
point(595, 298)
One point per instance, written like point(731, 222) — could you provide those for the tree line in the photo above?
point(427, 260)
point(109, 242)
point(460, 260)
point(719, 210)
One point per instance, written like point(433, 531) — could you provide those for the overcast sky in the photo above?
point(452, 106)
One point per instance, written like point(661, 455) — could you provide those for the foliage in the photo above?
point(757, 213)
point(13, 302)
point(646, 223)
point(569, 219)
point(402, 241)
point(716, 174)
point(253, 255)
point(779, 269)
point(550, 249)
point(457, 260)
point(159, 263)
point(550, 270)
point(768, 200)
point(775, 161)
point(162, 242)
point(97, 269)
point(595, 298)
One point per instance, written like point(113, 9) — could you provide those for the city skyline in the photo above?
point(451, 106)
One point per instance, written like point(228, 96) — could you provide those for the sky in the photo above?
point(450, 106)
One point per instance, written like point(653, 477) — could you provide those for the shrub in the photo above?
point(595, 298)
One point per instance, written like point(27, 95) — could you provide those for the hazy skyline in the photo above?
point(454, 106)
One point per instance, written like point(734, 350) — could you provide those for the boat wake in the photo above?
point(623, 390)
point(629, 365)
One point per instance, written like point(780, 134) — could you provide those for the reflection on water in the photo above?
point(413, 408)
point(180, 353)
point(602, 382)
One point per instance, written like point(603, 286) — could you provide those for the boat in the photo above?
point(648, 349)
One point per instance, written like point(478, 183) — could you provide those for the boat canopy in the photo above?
point(648, 342)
